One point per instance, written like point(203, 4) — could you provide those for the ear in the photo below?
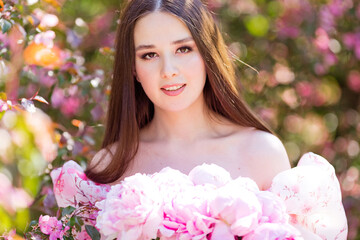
point(135, 76)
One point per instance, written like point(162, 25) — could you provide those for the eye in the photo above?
point(148, 56)
point(184, 49)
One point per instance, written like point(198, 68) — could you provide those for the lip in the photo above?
point(172, 85)
point(173, 93)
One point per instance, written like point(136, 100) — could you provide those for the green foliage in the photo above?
point(93, 232)
point(257, 25)
point(5, 25)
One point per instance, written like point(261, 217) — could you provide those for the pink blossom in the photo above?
point(12, 198)
point(49, 20)
point(171, 182)
point(3, 106)
point(330, 59)
point(273, 208)
point(353, 81)
point(322, 39)
point(327, 20)
point(47, 224)
point(274, 231)
point(209, 174)
point(315, 205)
point(82, 235)
point(237, 206)
point(293, 15)
point(187, 215)
point(46, 78)
point(222, 231)
point(338, 7)
point(72, 187)
point(57, 98)
point(132, 209)
point(46, 20)
point(185, 206)
point(45, 38)
point(71, 106)
point(320, 69)
point(349, 40)
point(305, 89)
point(51, 226)
point(42, 125)
point(352, 41)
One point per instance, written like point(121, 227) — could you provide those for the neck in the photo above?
point(186, 126)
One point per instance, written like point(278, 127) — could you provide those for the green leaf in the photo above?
point(22, 218)
point(5, 220)
point(93, 232)
point(78, 223)
point(257, 25)
point(3, 96)
point(67, 211)
point(5, 25)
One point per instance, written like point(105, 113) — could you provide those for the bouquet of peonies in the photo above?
point(206, 204)
point(303, 203)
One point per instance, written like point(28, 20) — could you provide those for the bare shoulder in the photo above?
point(102, 158)
point(266, 156)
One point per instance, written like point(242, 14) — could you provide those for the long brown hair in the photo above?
point(130, 109)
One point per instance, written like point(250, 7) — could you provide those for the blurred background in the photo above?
point(56, 65)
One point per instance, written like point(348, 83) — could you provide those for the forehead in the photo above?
point(159, 28)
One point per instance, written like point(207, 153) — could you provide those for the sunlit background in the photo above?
point(56, 65)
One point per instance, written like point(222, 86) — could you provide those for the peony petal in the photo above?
point(222, 232)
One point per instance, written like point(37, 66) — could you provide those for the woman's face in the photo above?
point(167, 62)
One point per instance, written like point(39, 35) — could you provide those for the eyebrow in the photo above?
point(140, 47)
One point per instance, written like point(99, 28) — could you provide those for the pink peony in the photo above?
point(171, 182)
point(222, 231)
point(273, 208)
point(187, 216)
point(313, 205)
point(237, 205)
point(131, 210)
point(274, 231)
point(71, 186)
point(209, 174)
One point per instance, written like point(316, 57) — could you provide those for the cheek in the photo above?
point(144, 71)
point(195, 67)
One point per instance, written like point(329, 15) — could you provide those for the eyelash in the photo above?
point(145, 56)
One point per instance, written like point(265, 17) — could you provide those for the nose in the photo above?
point(169, 68)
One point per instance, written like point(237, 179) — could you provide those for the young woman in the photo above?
point(175, 100)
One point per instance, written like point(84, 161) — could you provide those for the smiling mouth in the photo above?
point(174, 88)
